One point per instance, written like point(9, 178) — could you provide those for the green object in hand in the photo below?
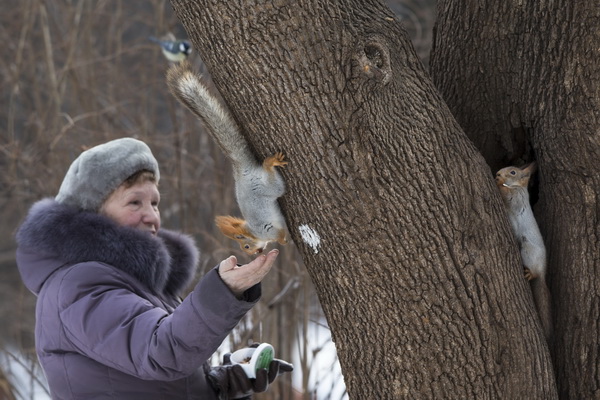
point(264, 358)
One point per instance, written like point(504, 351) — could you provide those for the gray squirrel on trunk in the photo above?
point(512, 183)
point(257, 185)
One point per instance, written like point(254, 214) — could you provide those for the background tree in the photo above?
point(394, 210)
point(523, 80)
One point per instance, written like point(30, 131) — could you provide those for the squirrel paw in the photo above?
point(281, 237)
point(276, 160)
point(529, 275)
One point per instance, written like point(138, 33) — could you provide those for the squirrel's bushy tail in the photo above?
point(542, 299)
point(186, 86)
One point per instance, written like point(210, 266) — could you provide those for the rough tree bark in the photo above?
point(394, 210)
point(523, 79)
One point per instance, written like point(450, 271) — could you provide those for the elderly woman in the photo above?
point(109, 322)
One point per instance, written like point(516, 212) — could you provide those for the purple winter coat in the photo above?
point(108, 321)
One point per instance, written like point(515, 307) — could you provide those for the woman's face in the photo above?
point(135, 206)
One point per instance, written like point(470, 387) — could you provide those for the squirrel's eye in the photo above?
point(247, 246)
point(512, 172)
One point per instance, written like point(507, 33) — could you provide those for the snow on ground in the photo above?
point(24, 374)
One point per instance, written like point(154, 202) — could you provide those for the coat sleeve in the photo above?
point(106, 318)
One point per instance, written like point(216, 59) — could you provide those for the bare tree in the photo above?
point(524, 83)
point(394, 210)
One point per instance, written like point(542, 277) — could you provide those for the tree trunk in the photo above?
point(395, 212)
point(523, 79)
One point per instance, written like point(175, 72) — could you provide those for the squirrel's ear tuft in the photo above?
point(530, 168)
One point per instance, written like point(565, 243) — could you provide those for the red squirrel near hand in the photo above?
point(257, 185)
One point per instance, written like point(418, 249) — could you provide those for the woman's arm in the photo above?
point(106, 317)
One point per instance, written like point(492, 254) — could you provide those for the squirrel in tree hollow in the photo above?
point(513, 182)
point(257, 186)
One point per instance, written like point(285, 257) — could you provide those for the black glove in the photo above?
point(232, 383)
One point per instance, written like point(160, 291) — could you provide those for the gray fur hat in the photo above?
point(97, 172)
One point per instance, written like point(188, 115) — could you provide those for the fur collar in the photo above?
point(165, 263)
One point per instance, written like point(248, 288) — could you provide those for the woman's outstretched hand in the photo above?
point(241, 278)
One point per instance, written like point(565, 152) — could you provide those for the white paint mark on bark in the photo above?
point(310, 237)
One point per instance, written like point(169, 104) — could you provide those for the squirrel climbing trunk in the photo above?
point(512, 183)
point(257, 185)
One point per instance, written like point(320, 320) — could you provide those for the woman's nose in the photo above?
point(151, 215)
